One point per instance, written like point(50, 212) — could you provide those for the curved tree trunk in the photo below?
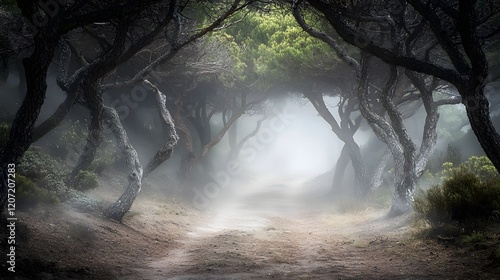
point(403, 196)
point(233, 154)
point(20, 135)
point(387, 134)
point(93, 100)
point(56, 118)
point(91, 85)
point(172, 138)
point(187, 141)
point(346, 136)
point(135, 171)
point(469, 67)
point(118, 209)
point(340, 167)
point(359, 166)
point(73, 95)
point(376, 180)
point(478, 113)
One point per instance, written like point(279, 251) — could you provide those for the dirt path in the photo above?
point(249, 244)
point(165, 239)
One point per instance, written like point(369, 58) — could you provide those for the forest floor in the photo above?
point(161, 238)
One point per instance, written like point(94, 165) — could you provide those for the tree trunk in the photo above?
point(172, 138)
point(73, 94)
point(359, 166)
point(19, 139)
point(232, 136)
point(56, 118)
point(478, 113)
point(118, 209)
point(403, 196)
point(346, 136)
point(376, 180)
point(340, 167)
point(4, 70)
point(395, 136)
point(233, 154)
point(187, 140)
point(93, 100)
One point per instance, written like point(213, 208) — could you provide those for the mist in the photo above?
point(249, 139)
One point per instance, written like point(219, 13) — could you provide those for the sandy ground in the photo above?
point(161, 238)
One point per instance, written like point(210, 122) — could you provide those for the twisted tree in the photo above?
point(382, 105)
point(445, 39)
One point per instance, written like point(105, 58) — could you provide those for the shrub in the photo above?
point(36, 165)
point(86, 180)
point(463, 197)
point(44, 171)
point(30, 194)
point(48, 175)
point(481, 166)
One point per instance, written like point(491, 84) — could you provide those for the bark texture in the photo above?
point(469, 66)
point(135, 170)
point(136, 173)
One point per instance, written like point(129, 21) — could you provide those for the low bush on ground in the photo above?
point(86, 180)
point(29, 194)
point(49, 175)
point(465, 207)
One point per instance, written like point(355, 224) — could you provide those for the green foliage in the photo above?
point(481, 166)
point(29, 194)
point(86, 180)
point(277, 49)
point(49, 175)
point(473, 238)
point(463, 198)
point(4, 132)
point(43, 170)
point(37, 165)
point(224, 55)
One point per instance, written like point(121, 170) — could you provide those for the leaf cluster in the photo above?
point(29, 194)
point(275, 48)
point(469, 195)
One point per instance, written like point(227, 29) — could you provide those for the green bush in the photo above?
point(35, 164)
point(30, 194)
point(463, 198)
point(481, 166)
point(86, 180)
point(44, 171)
